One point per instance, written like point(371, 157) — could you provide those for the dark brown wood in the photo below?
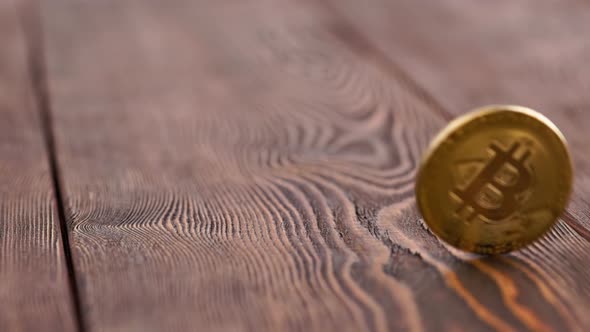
point(462, 55)
point(34, 291)
point(249, 165)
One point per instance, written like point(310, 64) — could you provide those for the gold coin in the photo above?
point(495, 179)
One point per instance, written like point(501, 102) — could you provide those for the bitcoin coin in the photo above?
point(495, 179)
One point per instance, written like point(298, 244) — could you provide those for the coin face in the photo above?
point(495, 179)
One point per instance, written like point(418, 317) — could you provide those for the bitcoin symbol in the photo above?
point(493, 193)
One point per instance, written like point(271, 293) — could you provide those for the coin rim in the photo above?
point(474, 114)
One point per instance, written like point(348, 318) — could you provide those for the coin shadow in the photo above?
point(488, 273)
point(479, 262)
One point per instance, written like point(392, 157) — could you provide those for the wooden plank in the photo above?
point(463, 54)
point(34, 291)
point(245, 165)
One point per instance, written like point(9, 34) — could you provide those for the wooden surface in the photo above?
point(34, 291)
point(522, 54)
point(249, 165)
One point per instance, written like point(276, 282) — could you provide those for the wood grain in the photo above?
point(461, 55)
point(34, 291)
point(249, 165)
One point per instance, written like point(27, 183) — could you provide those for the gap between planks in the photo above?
point(30, 18)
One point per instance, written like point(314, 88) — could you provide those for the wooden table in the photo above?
point(248, 165)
